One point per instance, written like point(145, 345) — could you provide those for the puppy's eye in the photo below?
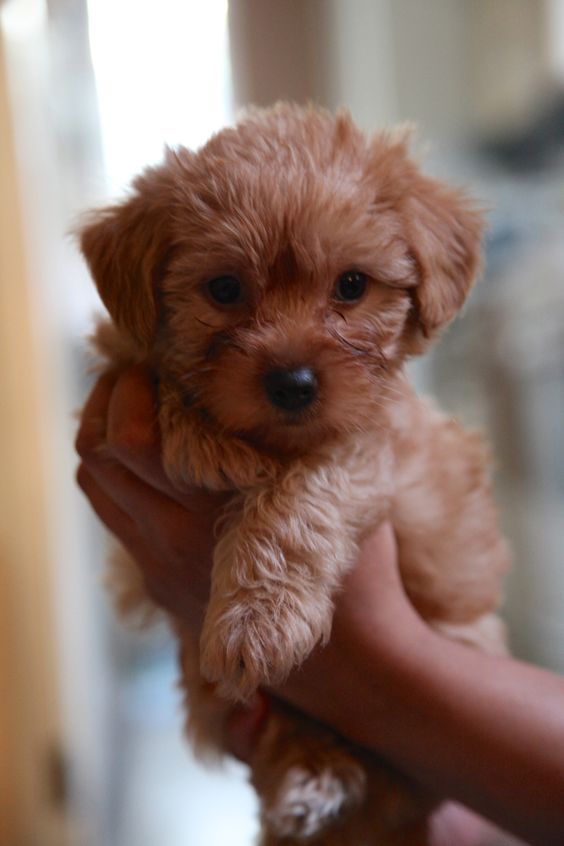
point(225, 290)
point(351, 286)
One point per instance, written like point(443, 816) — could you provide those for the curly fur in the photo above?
point(287, 201)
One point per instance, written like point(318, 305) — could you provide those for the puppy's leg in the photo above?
point(306, 779)
point(206, 712)
point(282, 552)
point(314, 787)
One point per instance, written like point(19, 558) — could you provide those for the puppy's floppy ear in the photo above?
point(442, 227)
point(445, 232)
point(126, 247)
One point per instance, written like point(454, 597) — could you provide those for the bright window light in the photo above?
point(20, 18)
point(555, 32)
point(162, 77)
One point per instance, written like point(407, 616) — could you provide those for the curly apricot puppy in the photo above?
point(276, 281)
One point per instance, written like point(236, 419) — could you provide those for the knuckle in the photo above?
point(90, 437)
point(82, 444)
point(82, 478)
point(127, 437)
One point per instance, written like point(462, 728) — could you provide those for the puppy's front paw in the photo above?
point(310, 800)
point(249, 643)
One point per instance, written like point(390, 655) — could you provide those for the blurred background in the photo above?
point(90, 91)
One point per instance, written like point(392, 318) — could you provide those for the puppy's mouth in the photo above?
point(286, 416)
point(296, 420)
point(291, 434)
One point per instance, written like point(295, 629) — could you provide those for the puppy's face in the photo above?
point(280, 276)
point(281, 326)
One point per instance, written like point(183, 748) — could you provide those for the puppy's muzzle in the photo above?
point(291, 389)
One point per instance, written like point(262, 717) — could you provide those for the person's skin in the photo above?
point(487, 732)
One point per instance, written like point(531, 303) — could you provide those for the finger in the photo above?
point(375, 574)
point(114, 518)
point(148, 507)
point(171, 532)
point(180, 590)
point(379, 550)
point(91, 434)
point(133, 433)
point(244, 726)
point(119, 419)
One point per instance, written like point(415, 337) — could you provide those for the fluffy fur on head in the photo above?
point(276, 281)
point(286, 202)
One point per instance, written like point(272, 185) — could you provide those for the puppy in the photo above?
point(277, 281)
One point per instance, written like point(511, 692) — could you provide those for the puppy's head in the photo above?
point(281, 275)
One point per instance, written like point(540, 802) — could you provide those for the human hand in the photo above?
point(168, 531)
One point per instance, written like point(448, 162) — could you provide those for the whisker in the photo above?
point(349, 344)
point(207, 325)
point(378, 357)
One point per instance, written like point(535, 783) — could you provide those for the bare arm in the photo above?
point(486, 731)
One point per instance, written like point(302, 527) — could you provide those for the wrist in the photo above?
point(366, 683)
point(393, 668)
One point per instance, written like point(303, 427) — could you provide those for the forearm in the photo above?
point(486, 731)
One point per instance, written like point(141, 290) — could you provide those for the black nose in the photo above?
point(291, 390)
